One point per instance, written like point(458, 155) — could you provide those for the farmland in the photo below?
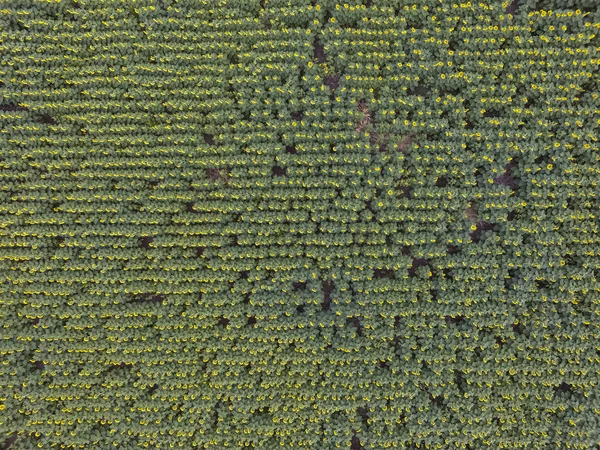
point(299, 224)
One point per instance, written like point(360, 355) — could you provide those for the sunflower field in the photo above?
point(299, 224)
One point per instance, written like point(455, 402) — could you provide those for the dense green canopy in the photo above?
point(299, 224)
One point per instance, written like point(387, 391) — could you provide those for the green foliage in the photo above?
point(303, 224)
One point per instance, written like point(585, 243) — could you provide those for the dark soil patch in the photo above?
point(438, 401)
point(277, 171)
point(11, 107)
point(404, 144)
point(419, 262)
point(145, 242)
point(383, 273)
point(369, 207)
point(209, 139)
point(366, 118)
point(213, 174)
point(121, 365)
point(405, 191)
point(332, 81)
point(299, 285)
point(416, 262)
point(419, 90)
point(459, 381)
point(355, 443)
point(9, 442)
point(47, 119)
point(291, 150)
point(481, 228)
point(355, 322)
point(512, 8)
point(319, 51)
point(327, 288)
point(454, 319)
point(441, 181)
point(471, 212)
point(492, 114)
point(542, 284)
point(363, 412)
point(507, 179)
